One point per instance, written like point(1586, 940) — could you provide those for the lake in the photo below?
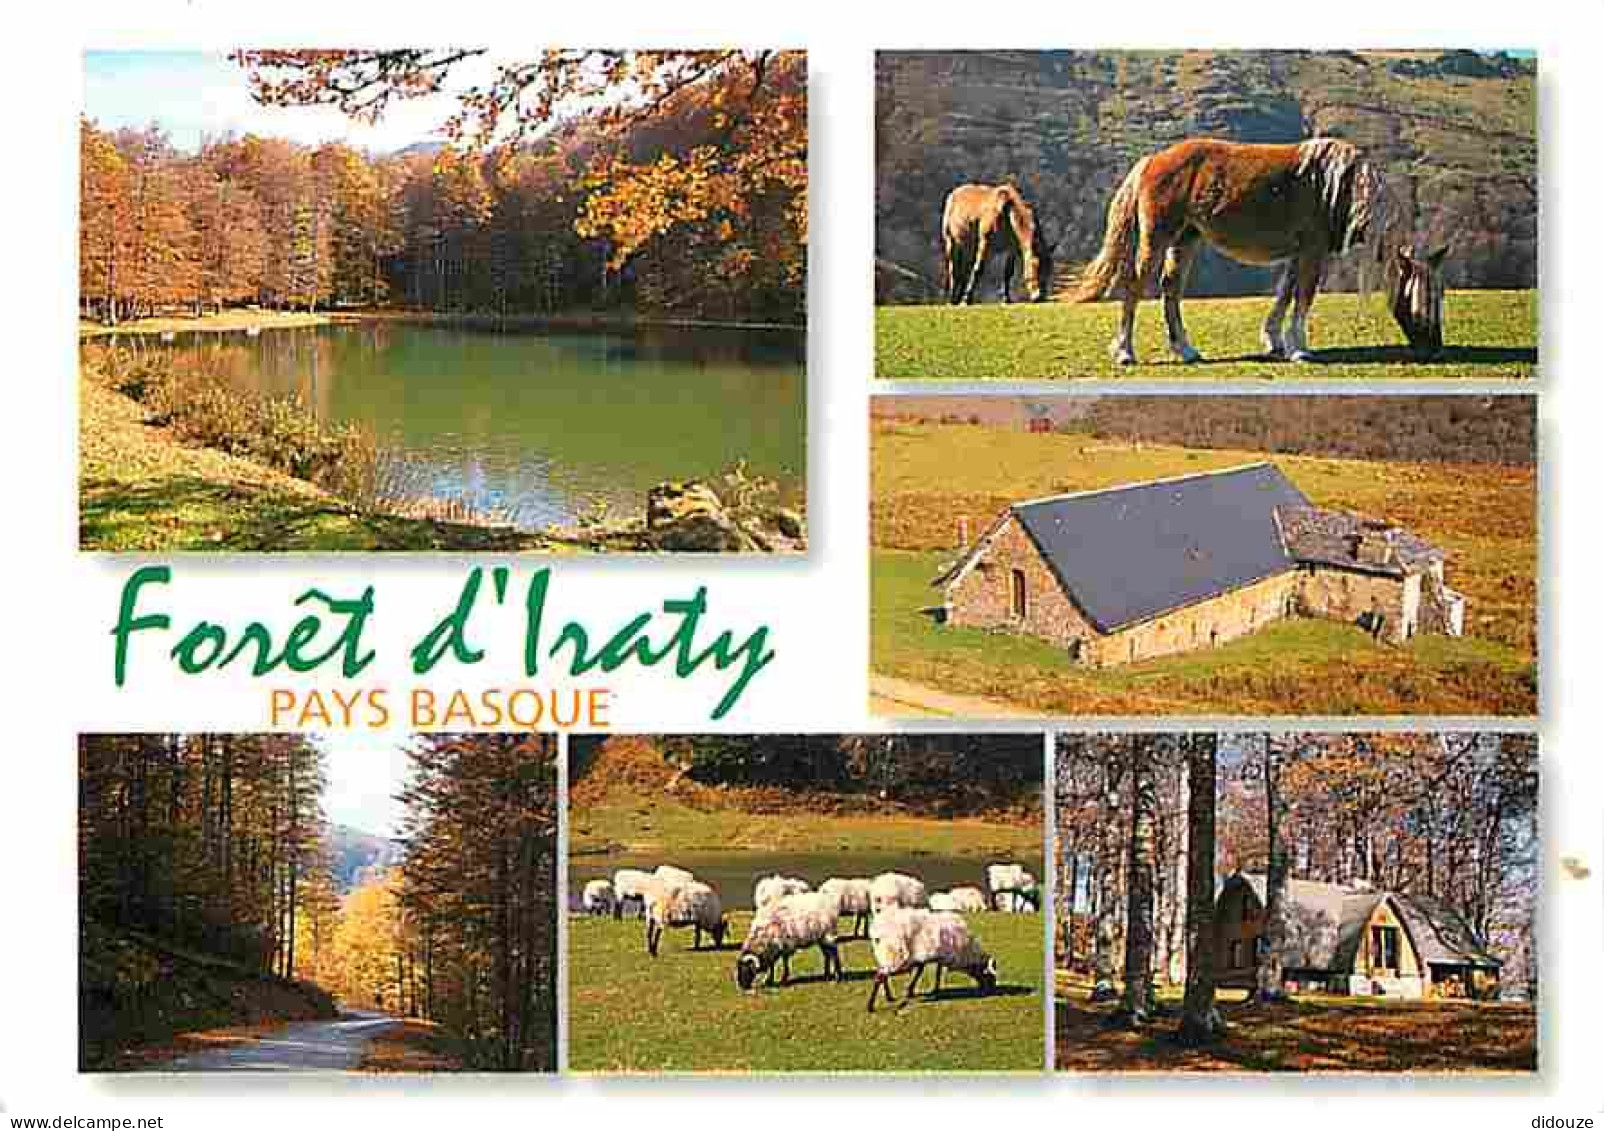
point(537, 427)
point(734, 874)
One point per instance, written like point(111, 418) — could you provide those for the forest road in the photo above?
point(302, 1046)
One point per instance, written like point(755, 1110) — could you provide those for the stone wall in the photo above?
point(1347, 595)
point(983, 597)
point(1204, 625)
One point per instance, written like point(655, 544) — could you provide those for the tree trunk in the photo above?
point(1271, 980)
point(1103, 929)
point(1200, 1020)
point(1137, 1004)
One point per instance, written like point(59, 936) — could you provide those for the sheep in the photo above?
point(967, 899)
point(1011, 887)
point(672, 875)
point(783, 927)
point(853, 895)
point(598, 898)
point(629, 886)
point(906, 938)
point(961, 900)
point(893, 889)
point(693, 904)
point(770, 888)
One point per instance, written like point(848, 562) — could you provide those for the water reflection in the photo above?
point(535, 426)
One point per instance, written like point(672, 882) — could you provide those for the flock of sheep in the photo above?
point(907, 927)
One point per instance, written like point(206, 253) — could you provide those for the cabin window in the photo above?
point(1019, 594)
point(1384, 947)
point(1236, 954)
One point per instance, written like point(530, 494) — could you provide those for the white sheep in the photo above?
point(909, 938)
point(1012, 887)
point(968, 899)
point(693, 904)
point(598, 898)
point(672, 875)
point(893, 889)
point(770, 888)
point(854, 897)
point(629, 886)
point(783, 927)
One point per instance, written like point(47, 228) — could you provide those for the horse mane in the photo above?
point(1354, 196)
point(1021, 218)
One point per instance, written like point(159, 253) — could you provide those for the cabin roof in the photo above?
point(1325, 924)
point(1127, 554)
point(1329, 537)
point(1441, 933)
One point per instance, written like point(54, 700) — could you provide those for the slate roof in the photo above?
point(1328, 537)
point(1326, 923)
point(1127, 554)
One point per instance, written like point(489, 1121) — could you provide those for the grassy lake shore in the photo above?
point(235, 320)
point(141, 490)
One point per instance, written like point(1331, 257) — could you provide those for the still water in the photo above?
point(538, 427)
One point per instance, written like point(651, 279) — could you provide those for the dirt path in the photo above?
point(901, 698)
point(303, 1046)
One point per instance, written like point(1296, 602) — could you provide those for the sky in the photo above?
point(366, 771)
point(192, 94)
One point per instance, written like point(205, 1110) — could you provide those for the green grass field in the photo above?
point(1485, 517)
point(1491, 336)
point(1306, 1033)
point(684, 1013)
point(648, 822)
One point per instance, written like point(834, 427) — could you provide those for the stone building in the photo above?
point(1151, 569)
point(1351, 940)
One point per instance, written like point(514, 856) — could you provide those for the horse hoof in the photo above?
point(1300, 355)
point(1124, 357)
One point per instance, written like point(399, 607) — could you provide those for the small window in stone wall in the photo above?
point(1020, 609)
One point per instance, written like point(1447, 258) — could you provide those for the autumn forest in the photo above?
point(551, 194)
point(1213, 893)
point(211, 901)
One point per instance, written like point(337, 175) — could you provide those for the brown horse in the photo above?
point(1297, 204)
point(981, 221)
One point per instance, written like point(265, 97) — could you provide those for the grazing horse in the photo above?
point(1299, 205)
point(981, 221)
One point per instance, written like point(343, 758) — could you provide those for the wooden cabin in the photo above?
point(1352, 940)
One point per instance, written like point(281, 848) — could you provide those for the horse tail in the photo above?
point(1113, 263)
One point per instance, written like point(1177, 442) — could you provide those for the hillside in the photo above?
point(1015, 413)
point(1456, 132)
point(1443, 429)
point(1483, 515)
point(137, 994)
point(356, 857)
point(1418, 429)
